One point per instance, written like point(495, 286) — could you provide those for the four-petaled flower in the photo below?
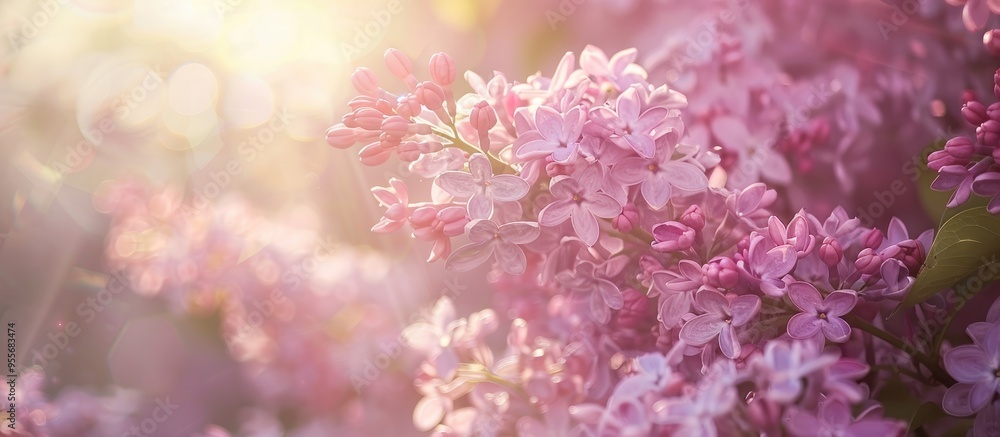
point(835, 419)
point(482, 187)
point(555, 134)
point(659, 175)
point(629, 128)
point(580, 200)
point(489, 239)
point(819, 314)
point(720, 320)
point(976, 367)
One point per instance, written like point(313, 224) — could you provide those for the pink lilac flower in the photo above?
point(766, 265)
point(659, 175)
point(975, 367)
point(579, 200)
point(677, 291)
point(555, 135)
point(834, 419)
point(820, 314)
point(720, 319)
point(502, 241)
point(482, 187)
point(628, 125)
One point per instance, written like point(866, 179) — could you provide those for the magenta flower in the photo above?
point(396, 201)
point(672, 237)
point(579, 200)
point(482, 187)
point(627, 126)
point(555, 134)
point(820, 314)
point(489, 239)
point(592, 278)
point(988, 185)
point(677, 290)
point(659, 176)
point(720, 318)
point(834, 418)
point(766, 265)
point(975, 367)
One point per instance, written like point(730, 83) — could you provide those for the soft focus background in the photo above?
point(182, 142)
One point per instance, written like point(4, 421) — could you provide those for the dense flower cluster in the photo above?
point(969, 165)
point(645, 295)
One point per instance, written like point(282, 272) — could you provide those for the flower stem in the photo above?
point(937, 372)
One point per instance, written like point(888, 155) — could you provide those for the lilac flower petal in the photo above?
point(987, 422)
point(536, 148)
point(728, 343)
point(712, 302)
point(978, 330)
point(610, 293)
point(975, 14)
point(586, 226)
point(956, 400)
point(598, 309)
point(840, 302)
point(481, 230)
point(423, 337)
point(511, 258)
point(987, 184)
point(591, 178)
point(656, 190)
point(801, 424)
point(967, 364)
point(627, 105)
point(641, 144)
point(468, 257)
point(701, 329)
point(548, 122)
point(773, 287)
point(673, 307)
point(649, 119)
point(458, 183)
point(778, 262)
point(519, 232)
point(802, 326)
point(685, 176)
point(480, 206)
point(836, 329)
point(564, 187)
point(630, 171)
point(836, 413)
point(805, 296)
point(981, 394)
point(508, 188)
point(556, 212)
point(429, 412)
point(743, 308)
point(480, 168)
point(603, 205)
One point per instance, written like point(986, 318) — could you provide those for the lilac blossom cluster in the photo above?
point(646, 295)
point(968, 165)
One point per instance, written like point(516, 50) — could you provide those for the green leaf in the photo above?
point(963, 244)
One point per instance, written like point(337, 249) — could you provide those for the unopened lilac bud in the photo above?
point(974, 112)
point(396, 126)
point(341, 136)
point(388, 141)
point(483, 117)
point(453, 220)
point(368, 118)
point(988, 133)
point(941, 158)
point(627, 220)
point(362, 102)
point(374, 154)
point(694, 217)
point(399, 64)
point(721, 273)
point(830, 252)
point(408, 151)
point(443, 70)
point(991, 40)
point(868, 262)
point(385, 107)
point(993, 111)
point(365, 82)
point(430, 95)
point(996, 84)
point(408, 106)
point(872, 239)
point(672, 237)
point(960, 147)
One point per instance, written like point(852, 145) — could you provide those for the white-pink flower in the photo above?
point(482, 187)
point(581, 201)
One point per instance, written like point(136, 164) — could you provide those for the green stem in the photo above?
point(938, 373)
